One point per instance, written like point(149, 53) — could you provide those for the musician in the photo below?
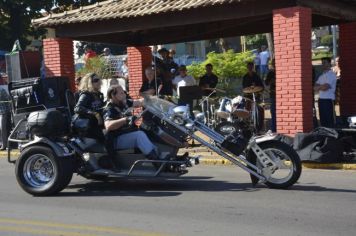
point(251, 80)
point(209, 80)
point(252, 84)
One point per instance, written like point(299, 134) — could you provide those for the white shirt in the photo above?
point(264, 57)
point(330, 78)
point(183, 81)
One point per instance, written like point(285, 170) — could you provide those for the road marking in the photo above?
point(41, 231)
point(116, 230)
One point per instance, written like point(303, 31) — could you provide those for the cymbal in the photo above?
point(253, 89)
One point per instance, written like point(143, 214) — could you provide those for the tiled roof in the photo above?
point(119, 9)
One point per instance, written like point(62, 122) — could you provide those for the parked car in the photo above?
point(321, 49)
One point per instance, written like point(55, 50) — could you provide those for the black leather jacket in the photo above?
point(89, 103)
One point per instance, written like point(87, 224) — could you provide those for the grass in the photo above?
point(320, 55)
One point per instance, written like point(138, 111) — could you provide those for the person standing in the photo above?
point(208, 81)
point(257, 60)
point(271, 82)
point(88, 53)
point(264, 60)
point(326, 85)
point(168, 69)
point(5, 115)
point(337, 71)
point(150, 85)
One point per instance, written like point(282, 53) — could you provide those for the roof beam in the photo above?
point(330, 8)
point(186, 33)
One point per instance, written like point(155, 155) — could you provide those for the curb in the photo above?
point(222, 162)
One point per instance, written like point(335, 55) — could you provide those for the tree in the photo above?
point(16, 16)
point(256, 41)
point(229, 67)
point(326, 40)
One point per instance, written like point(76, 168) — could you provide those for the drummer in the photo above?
point(251, 82)
point(208, 81)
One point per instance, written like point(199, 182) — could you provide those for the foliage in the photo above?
point(320, 55)
point(98, 65)
point(255, 41)
point(16, 15)
point(326, 40)
point(229, 67)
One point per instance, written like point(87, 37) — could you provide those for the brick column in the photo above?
point(292, 33)
point(348, 69)
point(59, 58)
point(138, 59)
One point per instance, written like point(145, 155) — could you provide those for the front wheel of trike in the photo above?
point(288, 162)
point(41, 173)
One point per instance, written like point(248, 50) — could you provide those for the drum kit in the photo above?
point(237, 109)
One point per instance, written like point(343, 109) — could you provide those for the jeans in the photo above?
point(263, 71)
point(327, 113)
point(136, 139)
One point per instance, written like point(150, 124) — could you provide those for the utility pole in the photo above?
point(334, 42)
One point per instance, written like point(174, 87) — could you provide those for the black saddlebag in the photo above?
point(48, 123)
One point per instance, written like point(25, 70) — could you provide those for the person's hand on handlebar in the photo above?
point(131, 120)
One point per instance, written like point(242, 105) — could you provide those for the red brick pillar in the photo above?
point(348, 69)
point(138, 59)
point(292, 33)
point(59, 58)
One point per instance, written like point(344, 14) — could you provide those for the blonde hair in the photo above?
point(86, 82)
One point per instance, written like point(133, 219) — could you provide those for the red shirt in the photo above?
point(89, 54)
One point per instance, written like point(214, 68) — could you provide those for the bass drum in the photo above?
point(226, 128)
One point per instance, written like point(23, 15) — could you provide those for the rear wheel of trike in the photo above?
point(287, 160)
point(41, 173)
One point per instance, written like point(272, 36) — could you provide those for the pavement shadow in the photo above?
point(299, 187)
point(153, 187)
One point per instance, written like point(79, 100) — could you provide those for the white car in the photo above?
point(321, 49)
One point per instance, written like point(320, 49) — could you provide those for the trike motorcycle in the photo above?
point(49, 158)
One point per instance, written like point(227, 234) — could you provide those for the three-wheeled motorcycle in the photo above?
point(52, 152)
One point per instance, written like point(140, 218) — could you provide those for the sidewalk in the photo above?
point(210, 158)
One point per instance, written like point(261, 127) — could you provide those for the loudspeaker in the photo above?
point(36, 94)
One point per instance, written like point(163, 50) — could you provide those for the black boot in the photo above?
point(154, 156)
point(114, 165)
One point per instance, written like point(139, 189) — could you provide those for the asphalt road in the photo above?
point(210, 200)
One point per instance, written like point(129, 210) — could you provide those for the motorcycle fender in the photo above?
point(265, 138)
point(60, 149)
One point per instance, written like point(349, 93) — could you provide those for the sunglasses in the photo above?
point(95, 80)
